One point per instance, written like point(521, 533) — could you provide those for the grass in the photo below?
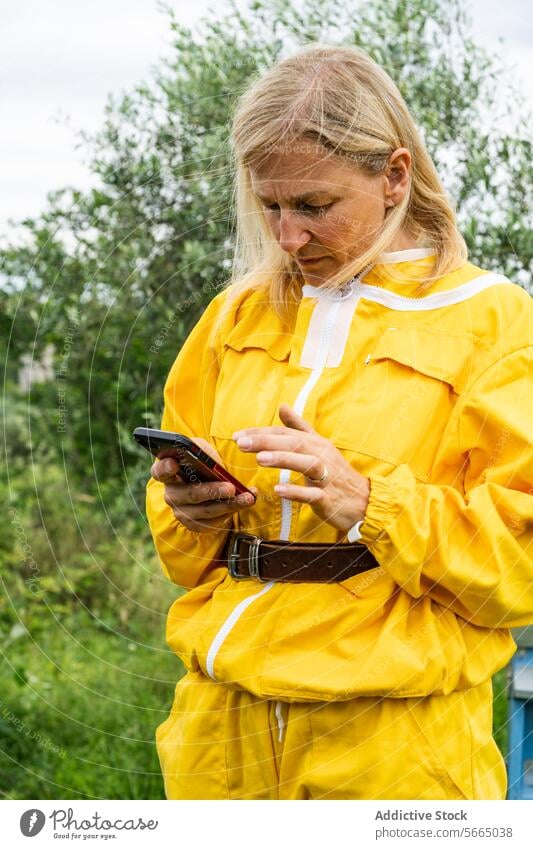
point(78, 714)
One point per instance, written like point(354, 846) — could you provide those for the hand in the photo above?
point(201, 507)
point(341, 499)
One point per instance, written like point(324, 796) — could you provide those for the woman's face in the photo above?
point(323, 211)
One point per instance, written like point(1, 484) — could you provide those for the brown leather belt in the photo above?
point(248, 556)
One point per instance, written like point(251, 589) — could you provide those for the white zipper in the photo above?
point(321, 349)
point(321, 357)
point(281, 722)
point(286, 504)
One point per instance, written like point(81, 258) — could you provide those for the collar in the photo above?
point(407, 255)
point(347, 289)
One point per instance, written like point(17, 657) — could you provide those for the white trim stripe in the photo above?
point(428, 302)
point(318, 362)
point(223, 632)
point(339, 338)
point(404, 256)
point(434, 301)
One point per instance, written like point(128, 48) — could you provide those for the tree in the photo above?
point(116, 276)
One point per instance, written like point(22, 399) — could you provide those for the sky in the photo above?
point(60, 59)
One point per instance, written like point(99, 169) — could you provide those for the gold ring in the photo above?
point(323, 478)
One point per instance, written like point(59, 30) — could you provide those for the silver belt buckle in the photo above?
point(253, 559)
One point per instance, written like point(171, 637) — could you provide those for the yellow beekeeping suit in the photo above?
point(429, 397)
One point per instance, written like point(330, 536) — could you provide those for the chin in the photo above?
point(313, 279)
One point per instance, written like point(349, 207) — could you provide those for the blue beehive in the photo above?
point(520, 757)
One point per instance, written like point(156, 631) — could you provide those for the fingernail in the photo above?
point(244, 442)
point(237, 434)
point(264, 457)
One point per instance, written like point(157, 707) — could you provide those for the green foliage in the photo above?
point(501, 710)
point(86, 677)
point(78, 713)
point(62, 553)
point(115, 276)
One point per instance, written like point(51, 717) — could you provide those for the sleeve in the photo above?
point(470, 553)
point(188, 558)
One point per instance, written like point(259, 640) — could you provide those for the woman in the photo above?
point(369, 384)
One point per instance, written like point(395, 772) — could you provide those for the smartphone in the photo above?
point(195, 465)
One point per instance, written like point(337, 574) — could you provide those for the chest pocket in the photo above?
point(400, 401)
point(251, 378)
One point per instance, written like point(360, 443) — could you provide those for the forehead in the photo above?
point(297, 168)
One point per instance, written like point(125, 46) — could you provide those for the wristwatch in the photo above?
point(354, 532)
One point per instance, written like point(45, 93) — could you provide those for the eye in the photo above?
point(314, 210)
point(304, 207)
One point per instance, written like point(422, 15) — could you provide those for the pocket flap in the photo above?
point(443, 356)
point(260, 328)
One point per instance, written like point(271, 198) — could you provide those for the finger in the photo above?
point(294, 441)
point(165, 470)
point(209, 509)
point(293, 419)
point(273, 429)
point(199, 492)
point(305, 494)
point(306, 464)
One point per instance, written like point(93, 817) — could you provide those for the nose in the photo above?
point(292, 233)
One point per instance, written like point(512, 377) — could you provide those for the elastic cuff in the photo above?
point(383, 506)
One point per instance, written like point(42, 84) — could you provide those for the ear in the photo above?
point(397, 176)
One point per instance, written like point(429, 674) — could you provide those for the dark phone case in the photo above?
point(194, 464)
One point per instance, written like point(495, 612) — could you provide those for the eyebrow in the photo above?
point(306, 196)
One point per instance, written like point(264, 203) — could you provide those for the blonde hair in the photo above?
point(337, 96)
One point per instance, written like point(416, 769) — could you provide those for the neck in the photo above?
point(402, 242)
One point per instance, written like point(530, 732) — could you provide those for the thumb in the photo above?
point(291, 418)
